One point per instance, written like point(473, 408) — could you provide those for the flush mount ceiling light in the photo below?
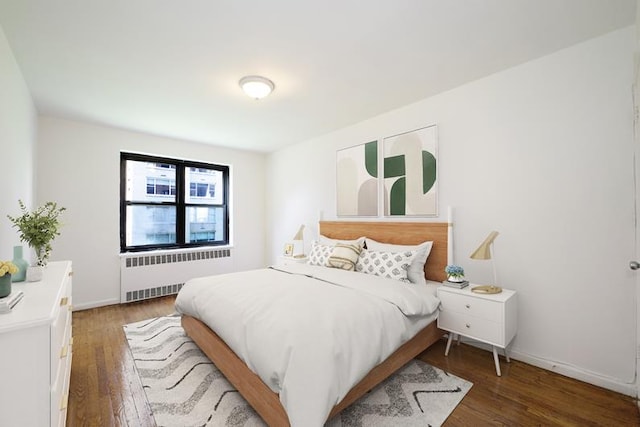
point(256, 87)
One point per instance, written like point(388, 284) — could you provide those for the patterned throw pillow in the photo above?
point(415, 273)
point(319, 254)
point(392, 265)
point(344, 256)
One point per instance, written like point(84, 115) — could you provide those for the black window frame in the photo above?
point(181, 167)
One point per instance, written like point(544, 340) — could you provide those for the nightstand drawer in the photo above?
point(472, 327)
point(469, 305)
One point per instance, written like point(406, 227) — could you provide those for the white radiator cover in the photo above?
point(150, 275)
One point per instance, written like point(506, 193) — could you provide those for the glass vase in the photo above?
point(21, 263)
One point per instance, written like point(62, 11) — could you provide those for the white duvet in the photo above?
point(311, 333)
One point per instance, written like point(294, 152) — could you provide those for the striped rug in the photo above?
point(185, 389)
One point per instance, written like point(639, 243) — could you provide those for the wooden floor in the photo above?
point(105, 390)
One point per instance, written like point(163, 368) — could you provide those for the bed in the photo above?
point(259, 391)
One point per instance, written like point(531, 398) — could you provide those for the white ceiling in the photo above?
point(171, 67)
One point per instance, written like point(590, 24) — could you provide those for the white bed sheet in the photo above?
point(310, 333)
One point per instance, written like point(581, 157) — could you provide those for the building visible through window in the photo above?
point(172, 203)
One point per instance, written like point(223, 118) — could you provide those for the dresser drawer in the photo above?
point(472, 327)
point(469, 305)
point(60, 334)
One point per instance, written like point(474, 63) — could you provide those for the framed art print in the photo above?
point(288, 249)
point(410, 162)
point(357, 180)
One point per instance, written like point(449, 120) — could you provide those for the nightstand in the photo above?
point(489, 318)
point(288, 260)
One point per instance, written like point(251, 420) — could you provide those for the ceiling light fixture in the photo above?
point(256, 87)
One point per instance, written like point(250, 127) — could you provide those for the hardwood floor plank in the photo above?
point(526, 395)
point(106, 391)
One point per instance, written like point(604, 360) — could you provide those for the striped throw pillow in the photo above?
point(344, 256)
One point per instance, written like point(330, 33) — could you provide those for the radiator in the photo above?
point(144, 276)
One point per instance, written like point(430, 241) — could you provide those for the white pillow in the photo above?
point(344, 256)
point(416, 269)
point(319, 254)
point(393, 265)
point(324, 240)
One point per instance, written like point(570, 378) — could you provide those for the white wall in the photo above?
point(79, 167)
point(542, 153)
point(18, 133)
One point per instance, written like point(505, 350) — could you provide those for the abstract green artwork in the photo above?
point(410, 173)
point(357, 180)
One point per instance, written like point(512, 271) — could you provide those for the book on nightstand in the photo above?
point(8, 302)
point(457, 285)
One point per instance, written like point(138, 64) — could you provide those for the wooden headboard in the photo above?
point(398, 233)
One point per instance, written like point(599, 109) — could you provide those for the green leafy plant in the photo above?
point(454, 271)
point(39, 228)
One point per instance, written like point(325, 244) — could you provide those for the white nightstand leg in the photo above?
point(446, 351)
point(506, 355)
point(497, 361)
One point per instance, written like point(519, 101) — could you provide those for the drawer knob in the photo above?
point(468, 305)
point(468, 326)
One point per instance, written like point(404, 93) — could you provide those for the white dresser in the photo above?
point(35, 351)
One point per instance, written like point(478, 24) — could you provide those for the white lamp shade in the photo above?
point(256, 87)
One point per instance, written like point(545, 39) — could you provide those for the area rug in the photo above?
point(185, 389)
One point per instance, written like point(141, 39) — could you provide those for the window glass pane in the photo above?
point(148, 225)
point(204, 224)
point(205, 186)
point(150, 182)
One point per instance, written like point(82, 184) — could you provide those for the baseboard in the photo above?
point(577, 373)
point(570, 371)
point(95, 304)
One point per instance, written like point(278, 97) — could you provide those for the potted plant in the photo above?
point(455, 273)
point(38, 229)
point(7, 268)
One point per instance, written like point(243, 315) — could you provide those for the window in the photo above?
point(171, 203)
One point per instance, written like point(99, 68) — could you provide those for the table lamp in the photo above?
point(484, 252)
point(298, 243)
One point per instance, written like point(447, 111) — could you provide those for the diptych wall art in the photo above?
point(408, 178)
point(410, 166)
point(357, 180)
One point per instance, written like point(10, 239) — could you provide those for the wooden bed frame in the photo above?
point(259, 395)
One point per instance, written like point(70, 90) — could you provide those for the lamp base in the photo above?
point(486, 289)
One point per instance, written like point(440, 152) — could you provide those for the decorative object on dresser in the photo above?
point(491, 319)
point(7, 303)
point(36, 371)
point(418, 394)
point(485, 252)
point(457, 285)
point(21, 263)
point(7, 268)
point(38, 229)
point(455, 273)
point(288, 249)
